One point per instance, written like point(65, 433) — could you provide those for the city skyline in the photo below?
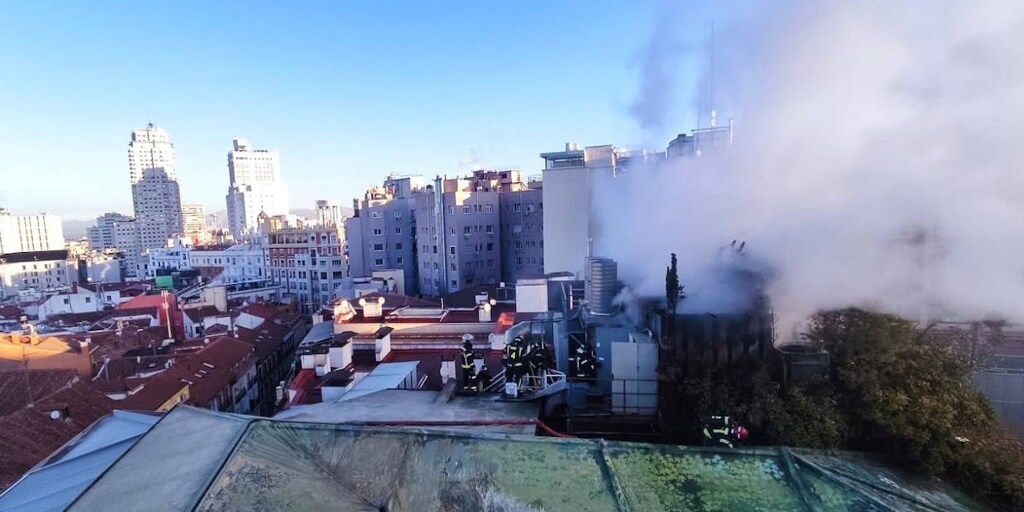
point(434, 98)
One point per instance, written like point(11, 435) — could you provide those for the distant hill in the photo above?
point(75, 229)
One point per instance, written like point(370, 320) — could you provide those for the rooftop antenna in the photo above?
point(711, 79)
point(710, 91)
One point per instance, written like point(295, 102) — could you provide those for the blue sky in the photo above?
point(347, 91)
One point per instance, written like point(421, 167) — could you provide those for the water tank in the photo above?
point(602, 285)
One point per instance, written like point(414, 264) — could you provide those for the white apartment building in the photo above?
point(239, 263)
point(153, 169)
point(255, 187)
point(173, 257)
point(27, 233)
point(39, 270)
point(102, 236)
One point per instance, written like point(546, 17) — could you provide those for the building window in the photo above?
point(516, 207)
point(374, 215)
point(398, 214)
point(490, 246)
point(399, 261)
point(451, 250)
point(465, 209)
point(398, 231)
point(378, 262)
point(378, 247)
point(88, 300)
point(466, 230)
point(455, 284)
point(378, 232)
point(489, 229)
point(454, 268)
point(488, 208)
point(398, 246)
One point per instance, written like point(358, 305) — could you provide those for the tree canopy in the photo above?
point(892, 387)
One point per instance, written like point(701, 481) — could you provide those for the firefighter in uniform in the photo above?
point(721, 431)
point(468, 366)
point(582, 363)
point(483, 378)
point(537, 358)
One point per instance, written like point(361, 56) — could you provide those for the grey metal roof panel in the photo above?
point(170, 467)
point(57, 481)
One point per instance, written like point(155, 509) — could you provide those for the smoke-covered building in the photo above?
point(570, 226)
point(381, 234)
point(701, 141)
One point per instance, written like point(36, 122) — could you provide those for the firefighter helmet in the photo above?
point(741, 432)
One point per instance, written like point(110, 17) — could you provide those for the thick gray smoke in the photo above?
point(878, 162)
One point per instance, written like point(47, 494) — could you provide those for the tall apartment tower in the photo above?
point(458, 230)
point(153, 170)
point(255, 187)
point(381, 234)
point(29, 233)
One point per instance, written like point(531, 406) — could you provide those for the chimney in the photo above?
point(485, 312)
point(85, 358)
point(372, 308)
point(317, 318)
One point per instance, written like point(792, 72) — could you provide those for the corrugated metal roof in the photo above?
point(384, 376)
point(65, 475)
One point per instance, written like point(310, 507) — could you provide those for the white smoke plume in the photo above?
point(878, 162)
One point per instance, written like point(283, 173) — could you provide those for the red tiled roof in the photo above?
point(155, 392)
point(11, 312)
point(197, 314)
point(18, 388)
point(430, 362)
point(208, 372)
point(148, 301)
point(303, 384)
point(30, 435)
